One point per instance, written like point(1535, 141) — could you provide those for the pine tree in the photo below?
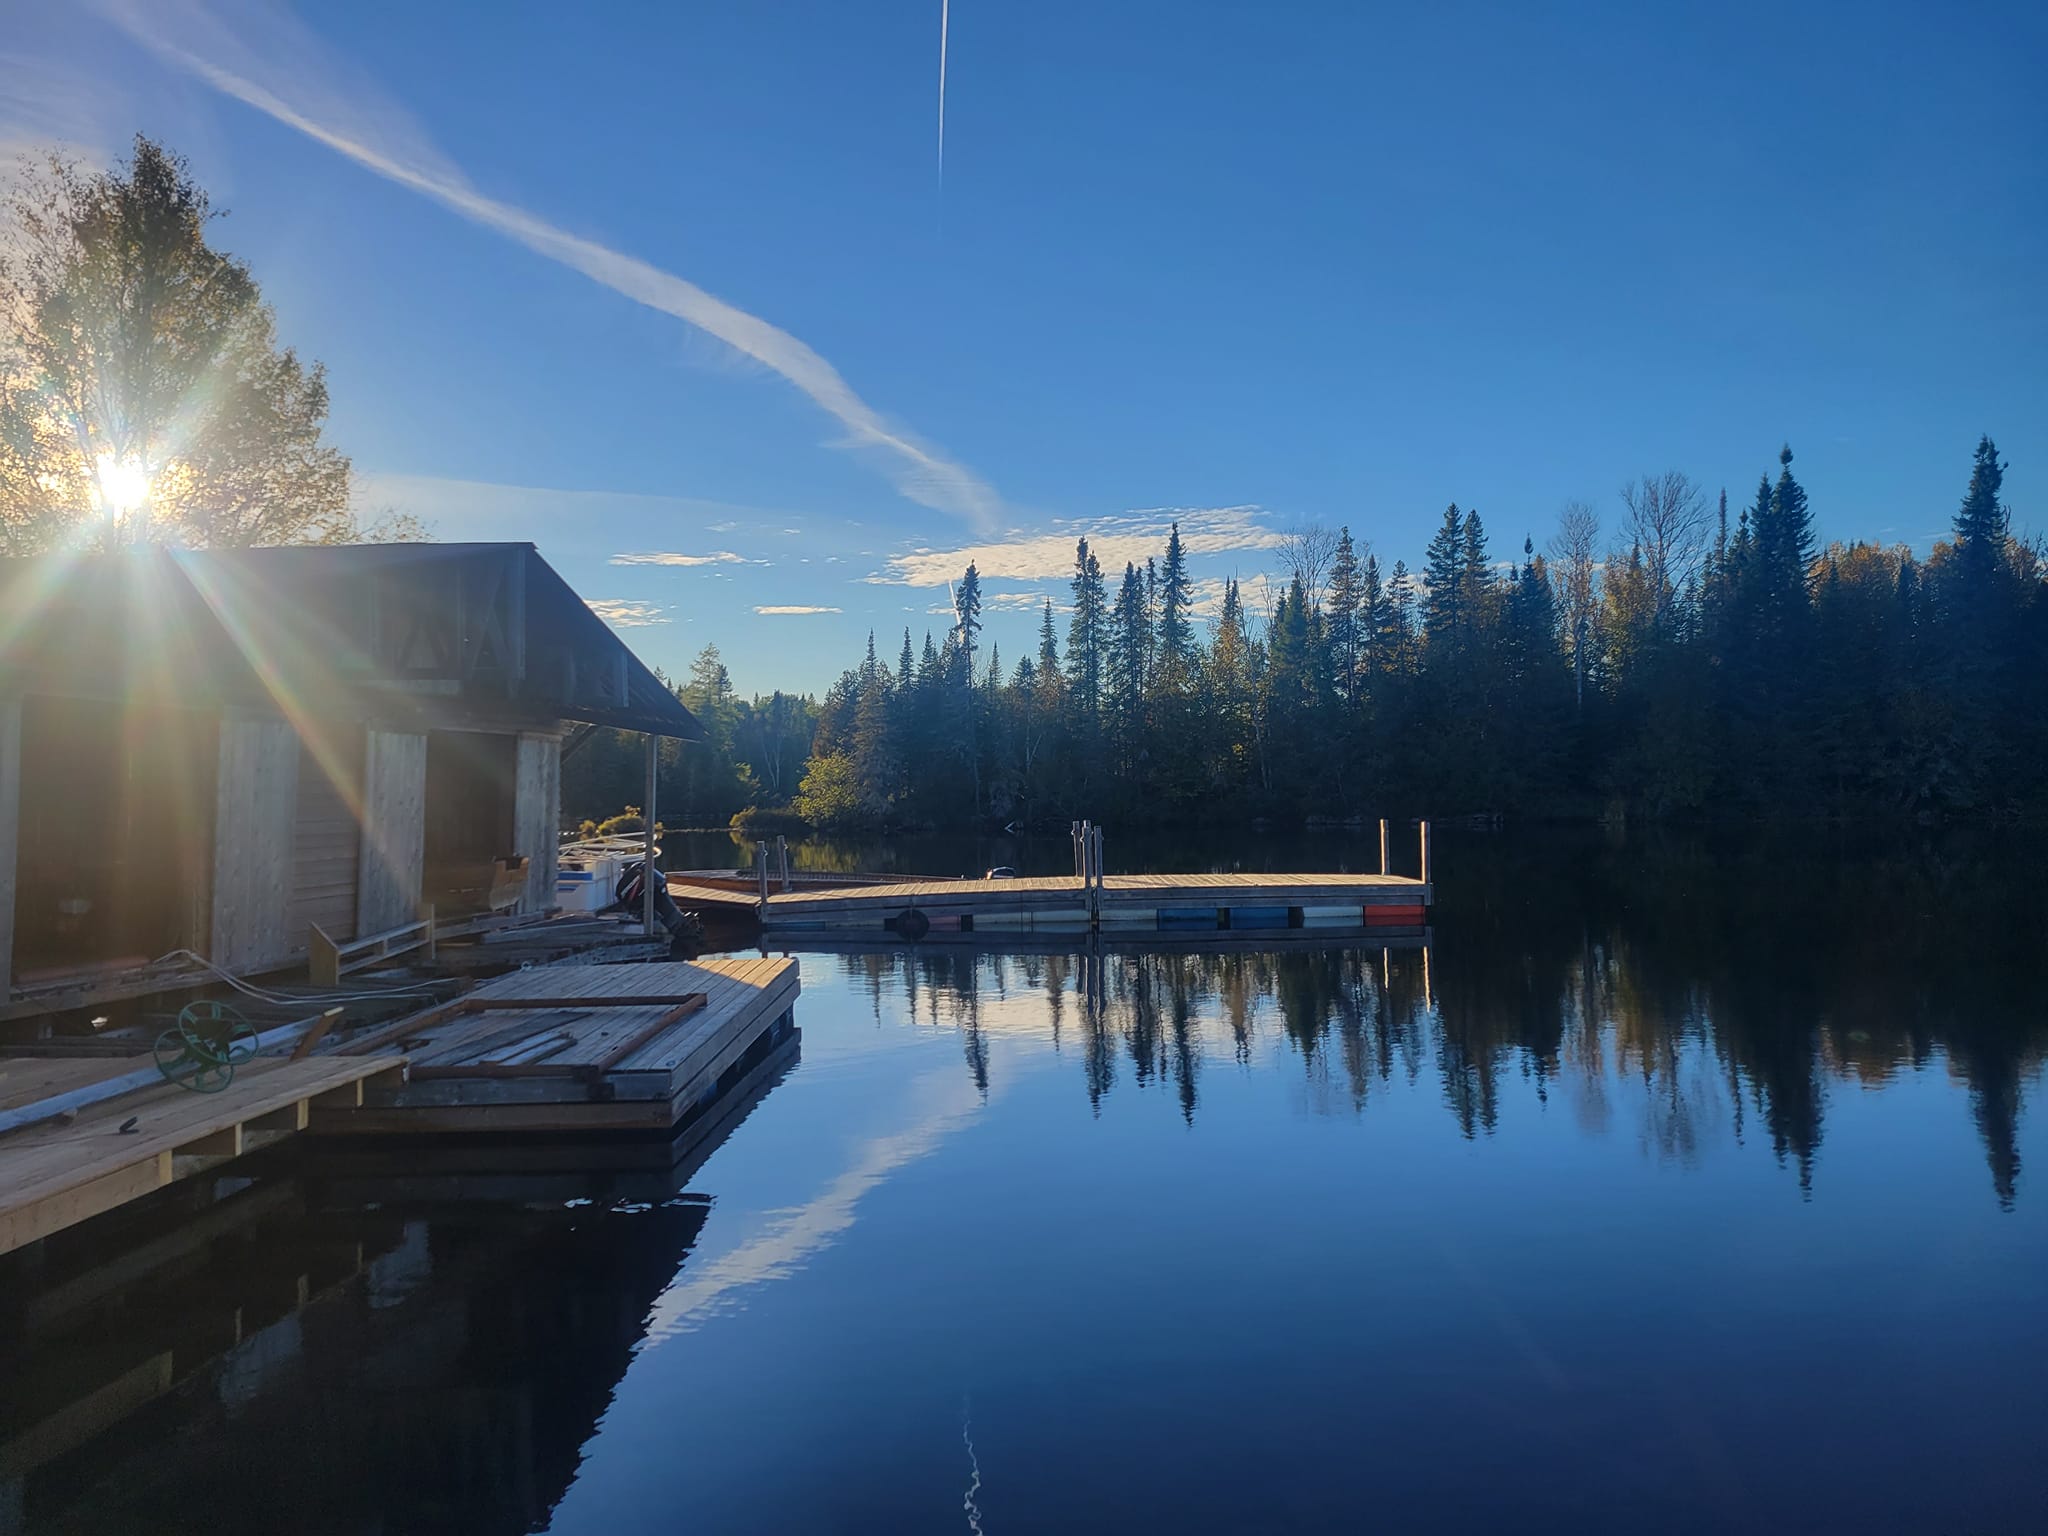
point(1341, 616)
point(1373, 620)
point(1475, 577)
point(1792, 526)
point(1442, 605)
point(1048, 647)
point(1125, 653)
point(1086, 634)
point(1176, 596)
point(1399, 641)
point(967, 615)
point(1983, 524)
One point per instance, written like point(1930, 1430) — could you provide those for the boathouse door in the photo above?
point(327, 838)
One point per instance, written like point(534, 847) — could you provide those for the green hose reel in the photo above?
point(202, 1050)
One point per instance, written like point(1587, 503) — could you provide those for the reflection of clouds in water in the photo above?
point(793, 1236)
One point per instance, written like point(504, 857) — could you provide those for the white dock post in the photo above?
point(1383, 847)
point(1425, 853)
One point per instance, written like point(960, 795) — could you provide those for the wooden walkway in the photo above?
point(578, 1048)
point(63, 1171)
point(1164, 903)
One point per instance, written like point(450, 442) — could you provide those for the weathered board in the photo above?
point(393, 845)
point(59, 1173)
point(256, 801)
point(588, 1084)
point(326, 843)
point(537, 816)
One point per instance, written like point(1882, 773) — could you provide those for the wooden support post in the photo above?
point(782, 858)
point(1425, 853)
point(10, 824)
point(323, 958)
point(761, 869)
point(647, 840)
point(1383, 847)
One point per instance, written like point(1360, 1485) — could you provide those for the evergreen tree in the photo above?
point(1176, 596)
point(1373, 621)
point(1125, 658)
point(1341, 616)
point(1399, 640)
point(1982, 525)
point(967, 615)
point(1442, 600)
point(1048, 648)
point(1086, 632)
point(1475, 577)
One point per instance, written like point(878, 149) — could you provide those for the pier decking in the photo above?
point(1066, 903)
point(578, 1048)
point(74, 1166)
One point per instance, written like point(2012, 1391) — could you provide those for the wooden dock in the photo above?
point(1177, 904)
point(67, 1169)
point(577, 1048)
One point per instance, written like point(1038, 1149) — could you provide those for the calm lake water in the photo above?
point(1679, 1184)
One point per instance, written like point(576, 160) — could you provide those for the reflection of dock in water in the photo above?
point(397, 1340)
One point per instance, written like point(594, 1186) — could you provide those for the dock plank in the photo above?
point(55, 1174)
point(744, 997)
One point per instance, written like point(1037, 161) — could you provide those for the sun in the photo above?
point(122, 486)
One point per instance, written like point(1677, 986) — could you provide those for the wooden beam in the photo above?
point(323, 958)
point(694, 1003)
point(318, 1032)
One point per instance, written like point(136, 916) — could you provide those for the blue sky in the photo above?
point(1271, 265)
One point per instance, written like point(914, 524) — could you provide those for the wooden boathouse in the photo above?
point(305, 786)
point(225, 752)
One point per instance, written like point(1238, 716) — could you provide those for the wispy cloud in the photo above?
point(1011, 602)
point(625, 613)
point(263, 59)
point(1114, 540)
point(796, 608)
point(672, 557)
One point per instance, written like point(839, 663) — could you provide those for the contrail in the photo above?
point(169, 30)
point(945, 7)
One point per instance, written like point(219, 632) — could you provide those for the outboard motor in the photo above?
point(631, 891)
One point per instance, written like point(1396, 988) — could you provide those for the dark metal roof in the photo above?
point(453, 635)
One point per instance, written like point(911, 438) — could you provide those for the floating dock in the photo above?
point(577, 1048)
point(77, 1164)
point(1189, 904)
point(566, 1048)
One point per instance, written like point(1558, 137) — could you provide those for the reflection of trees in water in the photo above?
point(1688, 991)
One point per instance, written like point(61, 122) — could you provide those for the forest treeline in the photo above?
point(1696, 663)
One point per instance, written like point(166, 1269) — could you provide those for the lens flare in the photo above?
point(122, 485)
